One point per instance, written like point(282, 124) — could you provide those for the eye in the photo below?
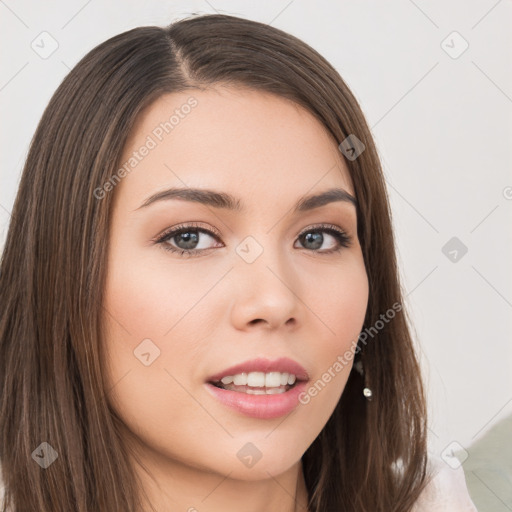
point(313, 239)
point(186, 239)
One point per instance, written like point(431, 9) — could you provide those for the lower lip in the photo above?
point(260, 406)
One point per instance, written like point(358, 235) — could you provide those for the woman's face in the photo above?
point(265, 282)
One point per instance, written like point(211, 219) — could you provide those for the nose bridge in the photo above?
point(260, 252)
point(262, 238)
point(263, 270)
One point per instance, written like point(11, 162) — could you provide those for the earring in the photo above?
point(367, 392)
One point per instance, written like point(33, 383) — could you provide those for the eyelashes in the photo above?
point(343, 240)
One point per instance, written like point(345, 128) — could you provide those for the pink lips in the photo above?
point(261, 406)
point(283, 365)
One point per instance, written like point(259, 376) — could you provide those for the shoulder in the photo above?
point(446, 490)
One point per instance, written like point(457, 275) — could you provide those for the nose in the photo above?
point(265, 292)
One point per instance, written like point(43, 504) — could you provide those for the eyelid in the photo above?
point(186, 225)
point(323, 226)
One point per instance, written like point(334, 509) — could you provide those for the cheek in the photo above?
point(156, 313)
point(340, 306)
point(147, 323)
point(151, 297)
point(340, 303)
point(146, 326)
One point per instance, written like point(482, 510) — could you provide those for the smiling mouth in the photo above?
point(258, 394)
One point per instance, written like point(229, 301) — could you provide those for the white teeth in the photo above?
point(260, 379)
point(256, 379)
point(272, 379)
point(270, 391)
point(240, 379)
point(275, 391)
point(255, 392)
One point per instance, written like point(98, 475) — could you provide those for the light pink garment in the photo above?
point(447, 491)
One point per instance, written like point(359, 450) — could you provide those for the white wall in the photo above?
point(444, 129)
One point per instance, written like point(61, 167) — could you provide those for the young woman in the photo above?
point(200, 302)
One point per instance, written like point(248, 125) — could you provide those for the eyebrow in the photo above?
point(228, 202)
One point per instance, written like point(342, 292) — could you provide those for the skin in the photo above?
point(292, 301)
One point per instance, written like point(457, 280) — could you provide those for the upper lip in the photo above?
point(283, 365)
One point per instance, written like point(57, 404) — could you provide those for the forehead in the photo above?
point(248, 142)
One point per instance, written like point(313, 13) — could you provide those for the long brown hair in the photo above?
point(370, 456)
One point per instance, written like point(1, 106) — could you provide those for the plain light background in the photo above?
point(442, 120)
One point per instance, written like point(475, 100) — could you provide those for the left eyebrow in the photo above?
point(227, 201)
point(329, 196)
